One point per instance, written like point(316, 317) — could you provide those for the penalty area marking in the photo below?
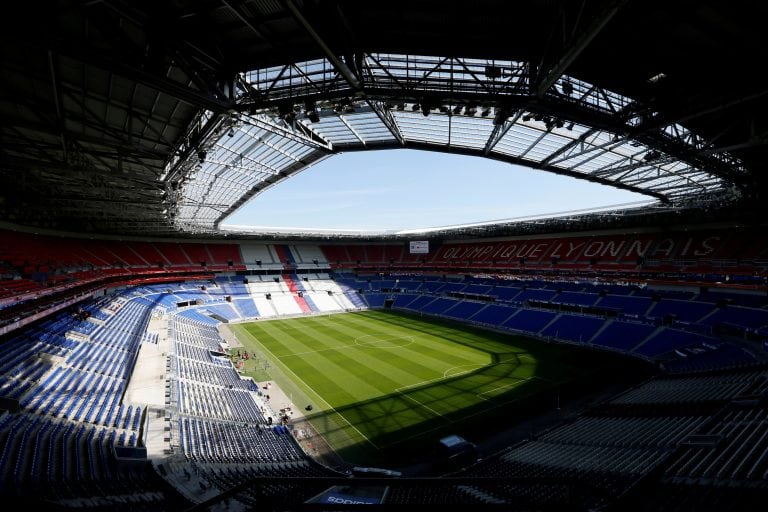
point(384, 340)
point(447, 373)
point(517, 359)
point(506, 386)
point(424, 406)
point(401, 390)
point(513, 385)
point(444, 377)
point(307, 387)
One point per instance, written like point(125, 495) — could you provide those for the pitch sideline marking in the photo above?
point(424, 406)
point(313, 392)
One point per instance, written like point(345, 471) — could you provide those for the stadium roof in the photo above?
point(162, 118)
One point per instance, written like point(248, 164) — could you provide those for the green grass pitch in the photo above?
point(384, 383)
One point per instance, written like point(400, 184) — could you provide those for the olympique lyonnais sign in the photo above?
point(605, 248)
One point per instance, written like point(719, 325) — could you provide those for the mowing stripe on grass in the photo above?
point(318, 396)
point(438, 379)
point(391, 378)
point(424, 406)
point(366, 375)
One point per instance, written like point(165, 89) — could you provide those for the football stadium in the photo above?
point(154, 356)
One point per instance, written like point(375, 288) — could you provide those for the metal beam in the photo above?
point(386, 117)
point(625, 168)
point(310, 133)
point(202, 82)
point(244, 19)
point(56, 86)
point(535, 143)
point(114, 64)
point(597, 149)
point(342, 68)
point(575, 47)
point(294, 135)
point(51, 126)
point(570, 145)
point(499, 131)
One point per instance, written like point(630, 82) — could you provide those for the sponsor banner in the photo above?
point(419, 246)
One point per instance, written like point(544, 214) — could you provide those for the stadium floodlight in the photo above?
point(652, 155)
point(501, 116)
point(283, 109)
point(310, 110)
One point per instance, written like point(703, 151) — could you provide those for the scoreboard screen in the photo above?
point(419, 247)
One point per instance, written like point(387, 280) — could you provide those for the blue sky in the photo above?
point(407, 189)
